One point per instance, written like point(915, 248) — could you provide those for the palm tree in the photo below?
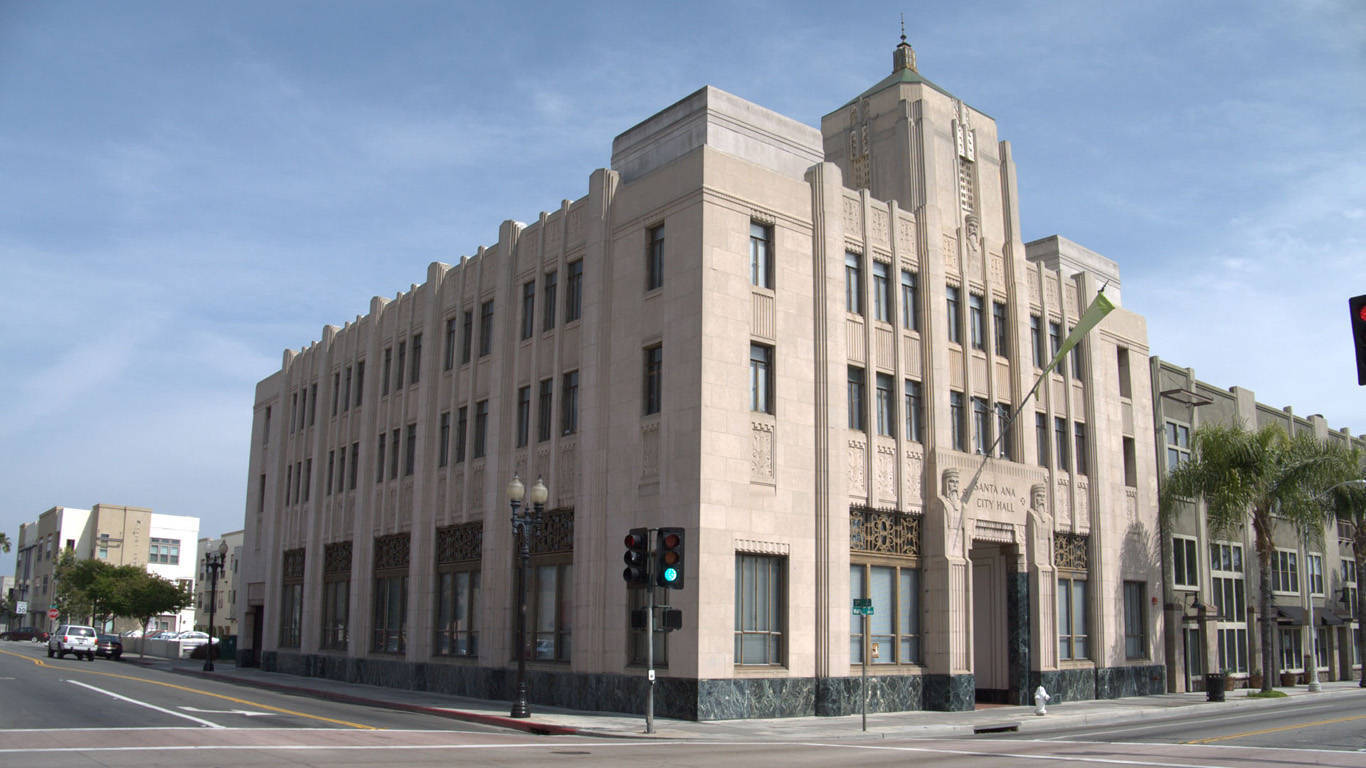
point(5, 542)
point(1261, 477)
point(1348, 502)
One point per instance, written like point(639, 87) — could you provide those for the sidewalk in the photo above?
point(558, 721)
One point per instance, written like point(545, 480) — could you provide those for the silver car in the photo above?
point(72, 638)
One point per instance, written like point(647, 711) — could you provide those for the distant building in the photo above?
point(1211, 593)
point(8, 618)
point(116, 534)
point(225, 609)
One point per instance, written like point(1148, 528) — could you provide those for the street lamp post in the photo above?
point(213, 564)
point(1305, 534)
point(525, 520)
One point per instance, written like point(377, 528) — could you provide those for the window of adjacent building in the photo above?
point(957, 432)
point(853, 283)
point(654, 257)
point(910, 300)
point(1001, 328)
point(651, 380)
point(265, 427)
point(1135, 620)
point(1079, 432)
point(486, 328)
point(457, 606)
point(379, 459)
point(552, 605)
point(1292, 655)
point(164, 551)
point(1041, 437)
point(760, 255)
point(1054, 341)
point(857, 413)
point(761, 378)
point(400, 367)
point(1005, 449)
point(953, 303)
point(760, 609)
point(885, 404)
point(481, 428)
point(466, 336)
point(1232, 642)
point(103, 550)
point(390, 611)
point(569, 403)
point(882, 291)
point(894, 627)
point(336, 611)
point(977, 332)
point(1036, 340)
point(528, 309)
point(1184, 563)
point(544, 396)
point(1313, 571)
point(393, 454)
point(291, 613)
point(523, 416)
point(1349, 586)
point(462, 431)
point(915, 412)
point(1072, 617)
point(448, 353)
point(1060, 442)
point(1178, 444)
point(573, 300)
point(1285, 572)
point(548, 311)
point(981, 426)
point(443, 448)
point(1125, 383)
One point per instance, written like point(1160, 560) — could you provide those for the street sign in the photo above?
point(53, 613)
point(21, 607)
point(863, 606)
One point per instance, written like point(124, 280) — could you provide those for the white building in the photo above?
point(225, 606)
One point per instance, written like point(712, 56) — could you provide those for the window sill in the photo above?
point(760, 670)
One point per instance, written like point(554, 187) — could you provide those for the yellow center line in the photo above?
point(233, 699)
point(1274, 730)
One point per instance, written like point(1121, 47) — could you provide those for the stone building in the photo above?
point(1211, 594)
point(225, 600)
point(798, 345)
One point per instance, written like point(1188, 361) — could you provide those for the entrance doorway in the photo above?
point(990, 659)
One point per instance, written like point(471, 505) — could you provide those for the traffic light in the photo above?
point(1358, 307)
point(669, 558)
point(637, 572)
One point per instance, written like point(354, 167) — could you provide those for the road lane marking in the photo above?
point(163, 710)
point(1334, 721)
point(233, 699)
point(246, 712)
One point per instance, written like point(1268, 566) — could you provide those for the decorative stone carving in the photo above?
point(1034, 287)
point(858, 481)
point(649, 450)
point(1062, 500)
point(1083, 501)
point(998, 269)
point(292, 564)
point(905, 238)
point(884, 531)
point(568, 478)
point(555, 534)
point(914, 467)
point(878, 227)
point(393, 551)
point(951, 254)
point(885, 467)
point(337, 558)
point(1040, 526)
point(575, 224)
point(553, 237)
point(1050, 293)
point(761, 451)
point(853, 218)
point(476, 500)
point(757, 547)
point(994, 531)
point(459, 543)
point(1072, 551)
point(519, 465)
point(955, 524)
point(1131, 505)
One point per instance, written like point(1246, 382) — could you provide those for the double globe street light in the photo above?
point(213, 565)
point(525, 520)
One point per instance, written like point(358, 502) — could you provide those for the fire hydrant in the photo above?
point(1041, 698)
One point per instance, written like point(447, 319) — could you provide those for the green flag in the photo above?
point(1100, 307)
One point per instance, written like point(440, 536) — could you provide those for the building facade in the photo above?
point(1212, 592)
point(224, 595)
point(798, 345)
point(119, 535)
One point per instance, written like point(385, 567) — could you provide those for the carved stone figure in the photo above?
point(1040, 526)
point(953, 513)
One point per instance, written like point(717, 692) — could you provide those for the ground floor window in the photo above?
point(291, 614)
point(390, 601)
point(551, 605)
point(1135, 620)
point(1195, 653)
point(1321, 648)
point(457, 600)
point(759, 609)
point(1292, 654)
point(336, 599)
point(1072, 617)
point(1232, 648)
point(894, 627)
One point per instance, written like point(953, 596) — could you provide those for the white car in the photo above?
point(192, 639)
point(72, 638)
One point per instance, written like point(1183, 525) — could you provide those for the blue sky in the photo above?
point(186, 189)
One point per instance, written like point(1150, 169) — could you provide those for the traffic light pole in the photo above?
point(650, 653)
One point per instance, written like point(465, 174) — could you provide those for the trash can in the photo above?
point(1214, 686)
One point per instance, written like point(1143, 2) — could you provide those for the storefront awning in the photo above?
point(1289, 614)
point(1330, 618)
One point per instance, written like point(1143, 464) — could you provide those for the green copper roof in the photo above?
point(909, 76)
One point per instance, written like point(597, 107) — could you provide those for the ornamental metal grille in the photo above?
point(392, 552)
point(884, 531)
point(1073, 551)
point(337, 558)
point(458, 543)
point(293, 564)
point(555, 534)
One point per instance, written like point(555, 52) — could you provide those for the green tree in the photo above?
point(1348, 503)
point(69, 587)
point(5, 543)
point(147, 595)
point(1262, 478)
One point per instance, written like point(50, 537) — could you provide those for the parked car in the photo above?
point(109, 646)
point(24, 633)
point(72, 638)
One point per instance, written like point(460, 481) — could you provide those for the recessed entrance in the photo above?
point(990, 660)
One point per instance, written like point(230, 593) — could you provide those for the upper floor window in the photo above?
point(882, 291)
point(1001, 327)
point(164, 551)
point(1313, 571)
point(399, 368)
point(857, 419)
point(915, 412)
point(1185, 562)
point(548, 312)
point(886, 405)
point(466, 335)
point(957, 434)
point(654, 366)
point(1041, 436)
point(1054, 339)
point(523, 416)
point(528, 308)
point(952, 302)
point(545, 395)
point(654, 257)
point(976, 322)
point(569, 403)
point(415, 370)
point(1079, 431)
point(486, 328)
point(760, 255)
point(1285, 571)
point(481, 428)
point(981, 425)
point(853, 283)
point(1036, 340)
point(448, 359)
point(761, 378)
point(573, 302)
point(1178, 444)
point(384, 373)
point(1005, 445)
point(1060, 442)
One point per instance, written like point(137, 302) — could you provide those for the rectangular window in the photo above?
point(293, 410)
point(486, 328)
point(331, 465)
point(552, 604)
point(393, 454)
point(885, 404)
point(312, 403)
point(308, 477)
point(448, 353)
point(1054, 341)
point(977, 332)
point(1229, 597)
point(857, 418)
point(1178, 445)
point(528, 309)
point(355, 465)
point(1001, 328)
point(462, 431)
point(651, 380)
point(523, 416)
point(569, 403)
point(853, 283)
point(981, 426)
point(399, 369)
point(291, 613)
point(1313, 571)
point(573, 300)
point(952, 301)
point(1130, 462)
point(654, 257)
point(1036, 340)
point(415, 370)
point(457, 612)
point(346, 390)
point(910, 300)
point(1076, 356)
point(481, 428)
point(336, 607)
point(548, 311)
point(360, 383)
point(759, 610)
point(443, 449)
point(164, 551)
point(1060, 442)
point(543, 410)
point(390, 612)
point(915, 412)
point(466, 336)
point(379, 459)
point(894, 627)
point(1135, 620)
point(1232, 648)
point(957, 434)
point(1041, 437)
point(761, 378)
point(386, 371)
point(341, 469)
point(1285, 571)
point(1072, 618)
point(1006, 448)
point(760, 255)
point(1125, 384)
point(1292, 655)
point(882, 291)
point(1079, 432)
point(1185, 572)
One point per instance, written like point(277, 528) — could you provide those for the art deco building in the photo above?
point(1212, 593)
point(798, 345)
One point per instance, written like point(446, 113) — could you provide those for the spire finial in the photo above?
point(903, 27)
point(904, 55)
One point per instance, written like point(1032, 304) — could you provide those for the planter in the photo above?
point(1254, 681)
point(1230, 682)
point(1288, 679)
point(1215, 686)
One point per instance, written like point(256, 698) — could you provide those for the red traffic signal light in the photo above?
point(637, 557)
point(1357, 305)
point(669, 558)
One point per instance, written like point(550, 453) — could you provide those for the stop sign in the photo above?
point(52, 613)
